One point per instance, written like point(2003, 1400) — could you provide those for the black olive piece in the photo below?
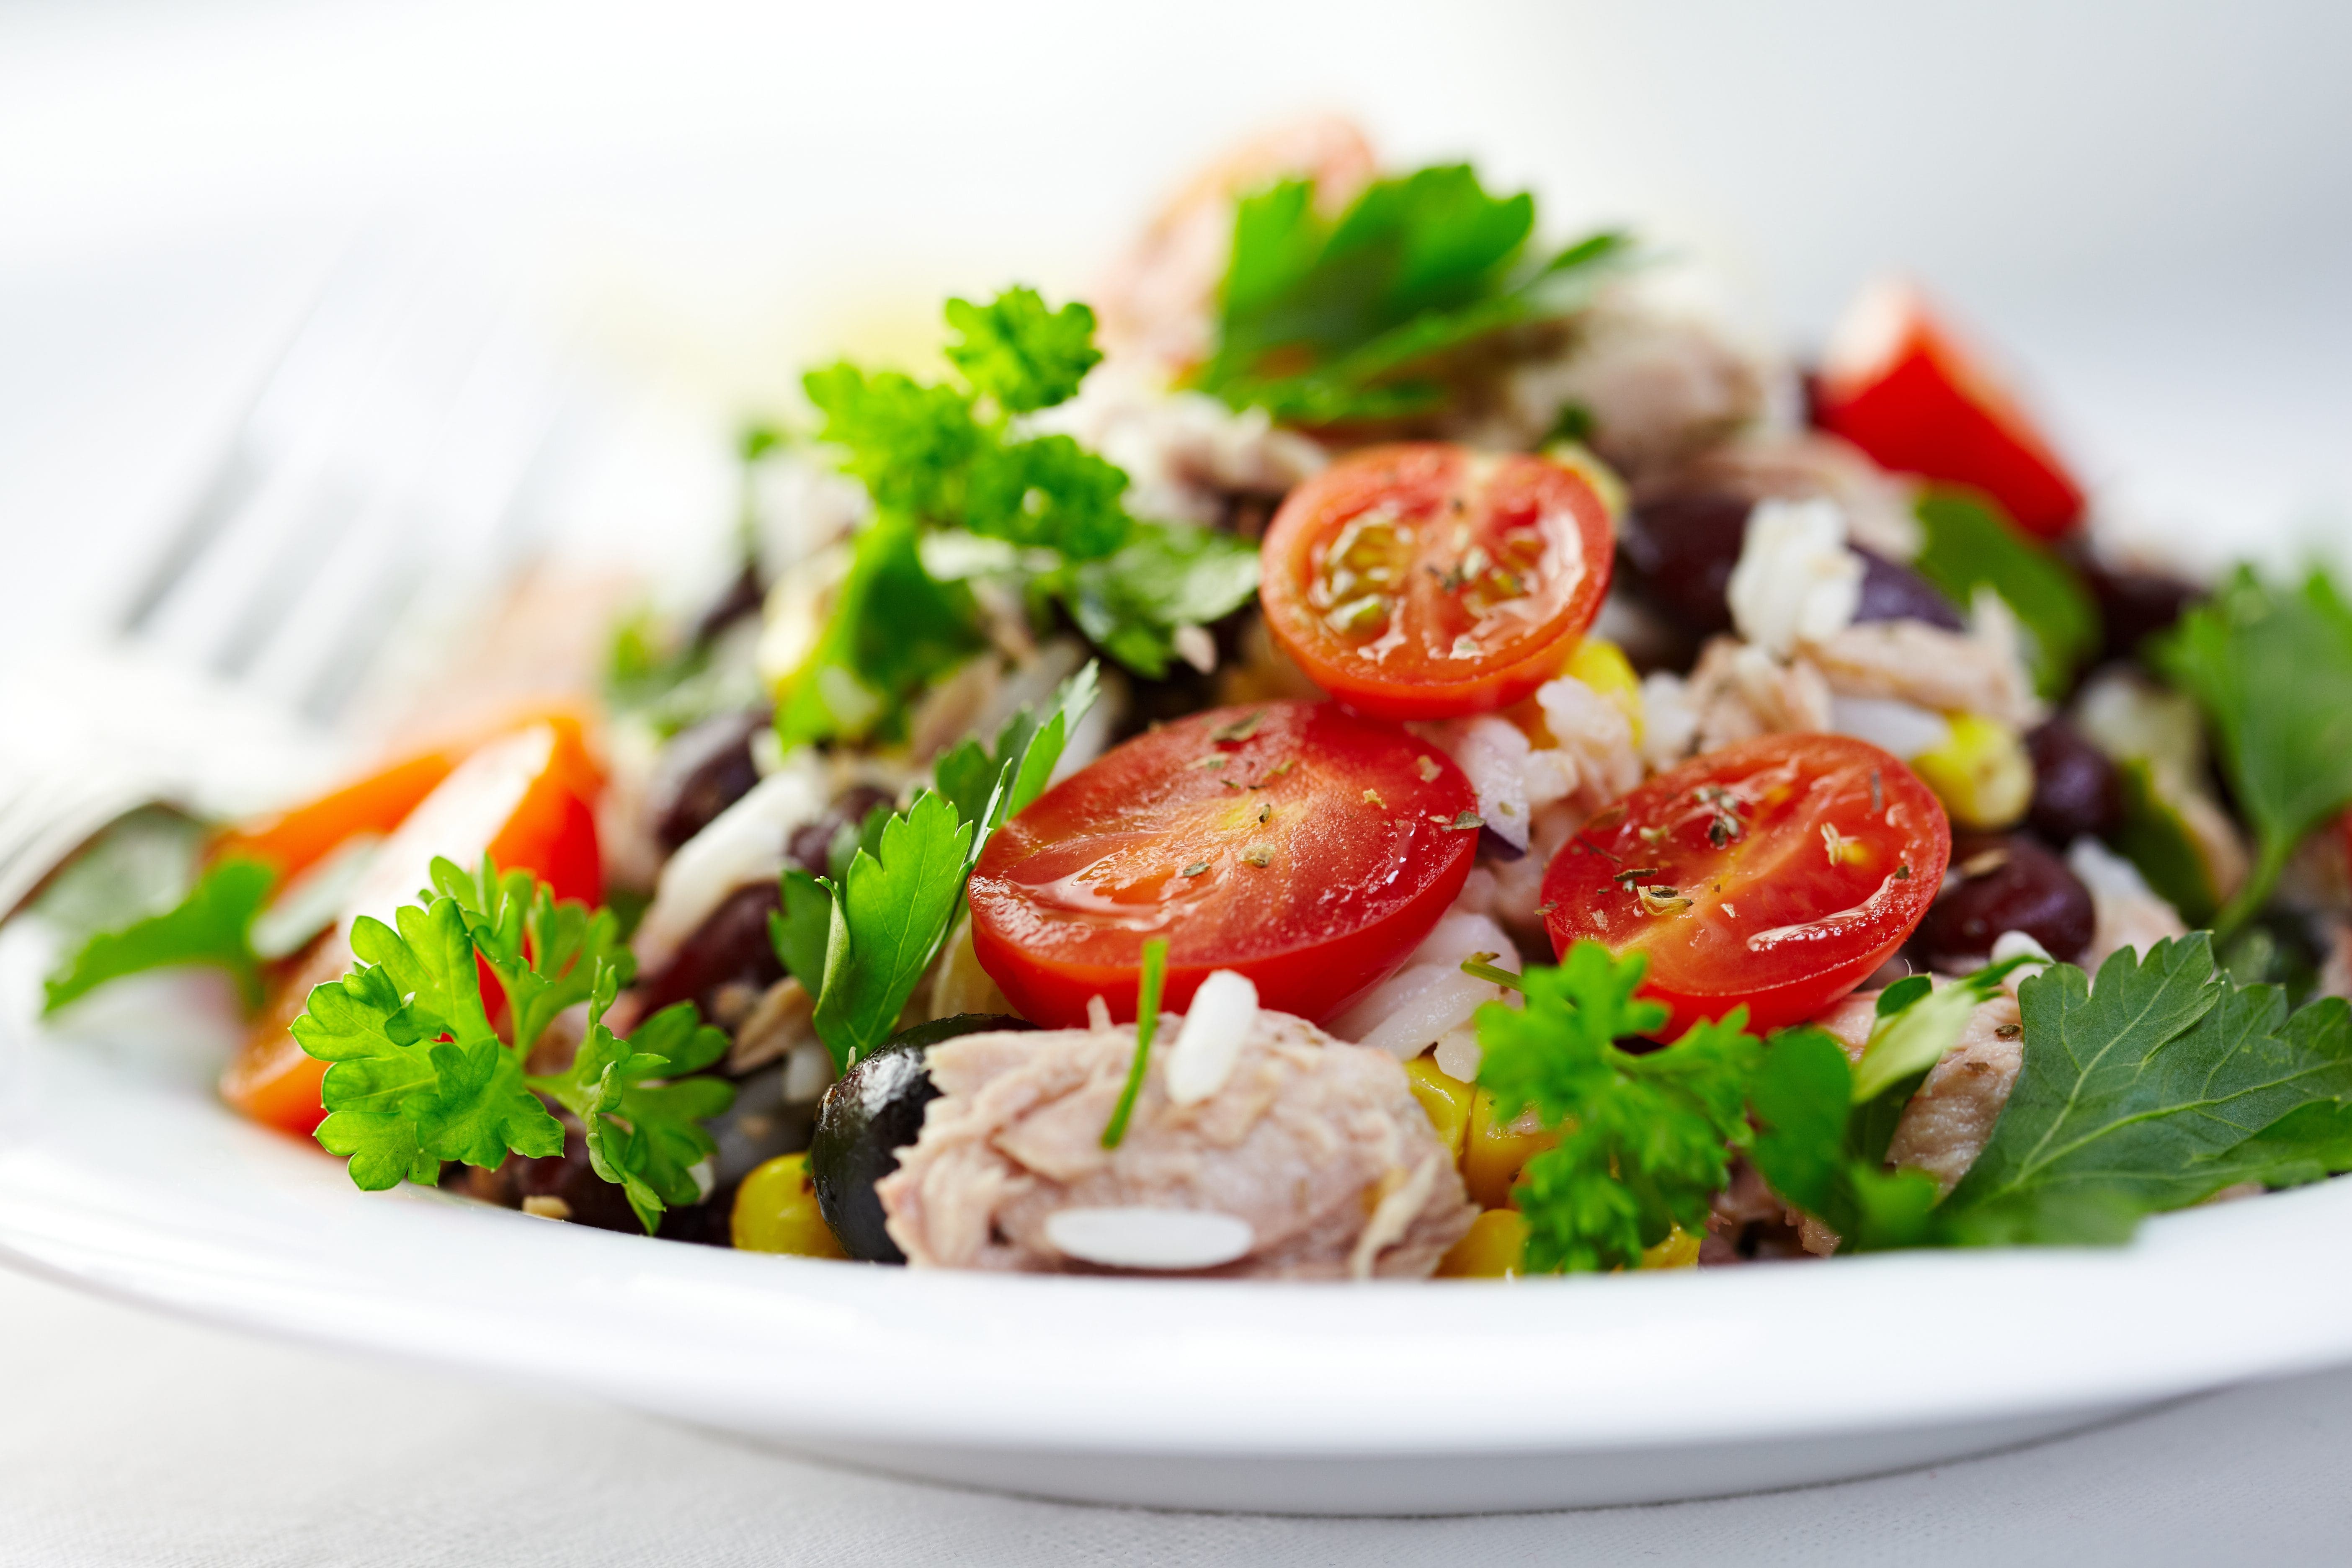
point(872, 1111)
point(2134, 605)
point(1181, 690)
point(1678, 552)
point(741, 597)
point(704, 770)
point(810, 847)
point(1893, 591)
point(2007, 882)
point(588, 1199)
point(724, 966)
point(2077, 791)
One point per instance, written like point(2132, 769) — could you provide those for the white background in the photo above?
point(2148, 206)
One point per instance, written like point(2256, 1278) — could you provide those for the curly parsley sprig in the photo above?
point(961, 461)
point(418, 1076)
point(1646, 1138)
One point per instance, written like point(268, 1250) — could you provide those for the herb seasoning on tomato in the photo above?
point(1428, 581)
point(1775, 874)
point(1305, 847)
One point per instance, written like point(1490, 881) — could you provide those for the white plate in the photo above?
point(120, 1172)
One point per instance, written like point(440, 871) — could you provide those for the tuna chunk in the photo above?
point(1319, 1146)
point(1950, 1119)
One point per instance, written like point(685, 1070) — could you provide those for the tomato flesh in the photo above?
point(518, 799)
point(1425, 581)
point(1776, 874)
point(1305, 847)
point(1898, 385)
point(296, 839)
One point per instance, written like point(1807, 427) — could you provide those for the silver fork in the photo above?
point(392, 441)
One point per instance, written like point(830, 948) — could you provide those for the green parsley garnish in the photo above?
point(1325, 321)
point(1814, 1147)
point(212, 927)
point(1968, 547)
point(2148, 1092)
point(641, 1109)
point(2272, 668)
point(419, 1076)
point(1646, 1140)
point(956, 459)
point(2152, 1090)
point(1147, 1023)
point(860, 942)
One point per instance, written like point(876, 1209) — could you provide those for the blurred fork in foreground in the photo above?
point(398, 441)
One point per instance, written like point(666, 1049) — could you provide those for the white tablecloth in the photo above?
point(127, 1438)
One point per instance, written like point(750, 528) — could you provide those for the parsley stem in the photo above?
point(2270, 864)
point(1481, 966)
point(1146, 1020)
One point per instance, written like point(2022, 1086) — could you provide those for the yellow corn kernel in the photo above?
point(1679, 1250)
point(775, 1211)
point(1446, 1098)
point(1493, 1151)
point(1980, 772)
point(1493, 1248)
point(1582, 461)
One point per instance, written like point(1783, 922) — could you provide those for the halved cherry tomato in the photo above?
point(1897, 385)
point(1776, 873)
point(1427, 581)
point(518, 798)
point(301, 836)
point(1305, 847)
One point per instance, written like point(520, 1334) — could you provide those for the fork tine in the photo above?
point(355, 331)
point(36, 844)
point(337, 309)
point(405, 415)
point(31, 805)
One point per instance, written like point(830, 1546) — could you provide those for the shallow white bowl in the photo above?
point(120, 1172)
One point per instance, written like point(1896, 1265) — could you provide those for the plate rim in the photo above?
point(208, 1216)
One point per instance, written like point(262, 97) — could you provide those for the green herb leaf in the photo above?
point(1167, 577)
point(641, 1112)
point(1154, 978)
point(1322, 323)
point(2157, 841)
point(893, 629)
point(546, 955)
point(1917, 1022)
point(862, 942)
point(2148, 1092)
point(1969, 547)
point(417, 1076)
point(888, 917)
point(946, 457)
point(211, 926)
point(913, 446)
point(1804, 1149)
point(2272, 668)
point(400, 1097)
point(1648, 1137)
point(1017, 351)
point(801, 927)
point(1050, 492)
